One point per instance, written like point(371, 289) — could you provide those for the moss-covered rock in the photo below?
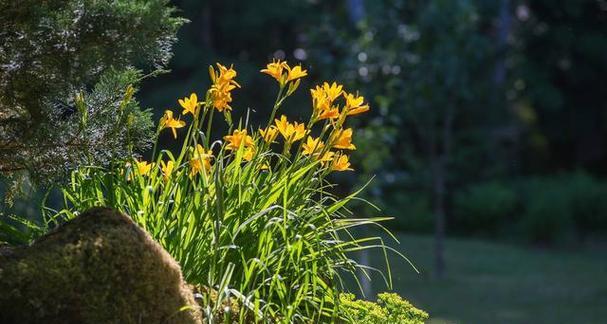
point(97, 268)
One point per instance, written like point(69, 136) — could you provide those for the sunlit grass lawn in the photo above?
point(499, 283)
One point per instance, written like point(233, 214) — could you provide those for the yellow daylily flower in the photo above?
point(323, 98)
point(200, 161)
point(283, 73)
point(223, 84)
point(190, 105)
point(226, 76)
point(143, 167)
point(343, 140)
point(197, 166)
point(291, 132)
point(283, 126)
point(167, 121)
point(167, 168)
point(295, 73)
point(332, 91)
point(238, 137)
point(269, 134)
point(327, 157)
point(313, 146)
point(221, 99)
point(341, 163)
point(275, 70)
point(249, 152)
point(318, 94)
point(331, 113)
point(299, 131)
point(355, 104)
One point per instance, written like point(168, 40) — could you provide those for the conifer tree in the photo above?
point(68, 72)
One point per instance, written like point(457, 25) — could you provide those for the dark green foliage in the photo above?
point(413, 209)
point(547, 210)
point(108, 125)
point(521, 107)
point(547, 216)
point(55, 53)
point(485, 208)
point(243, 33)
point(415, 61)
point(562, 208)
point(559, 71)
point(588, 197)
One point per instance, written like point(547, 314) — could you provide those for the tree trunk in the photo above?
point(440, 156)
point(503, 31)
point(438, 192)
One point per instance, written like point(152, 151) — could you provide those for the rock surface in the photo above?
point(97, 268)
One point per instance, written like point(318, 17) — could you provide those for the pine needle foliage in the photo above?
point(66, 66)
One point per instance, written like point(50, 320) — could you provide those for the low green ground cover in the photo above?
point(498, 283)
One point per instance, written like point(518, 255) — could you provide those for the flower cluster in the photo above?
point(291, 132)
point(223, 84)
point(331, 105)
point(240, 138)
point(283, 73)
point(324, 102)
point(201, 160)
point(323, 98)
point(269, 134)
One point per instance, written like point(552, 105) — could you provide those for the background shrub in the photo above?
point(588, 203)
point(413, 209)
point(548, 210)
point(485, 208)
point(560, 208)
point(547, 214)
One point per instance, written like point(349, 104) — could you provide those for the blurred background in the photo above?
point(486, 139)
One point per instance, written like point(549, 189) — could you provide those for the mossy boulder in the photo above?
point(98, 268)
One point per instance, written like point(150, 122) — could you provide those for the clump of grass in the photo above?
point(250, 218)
